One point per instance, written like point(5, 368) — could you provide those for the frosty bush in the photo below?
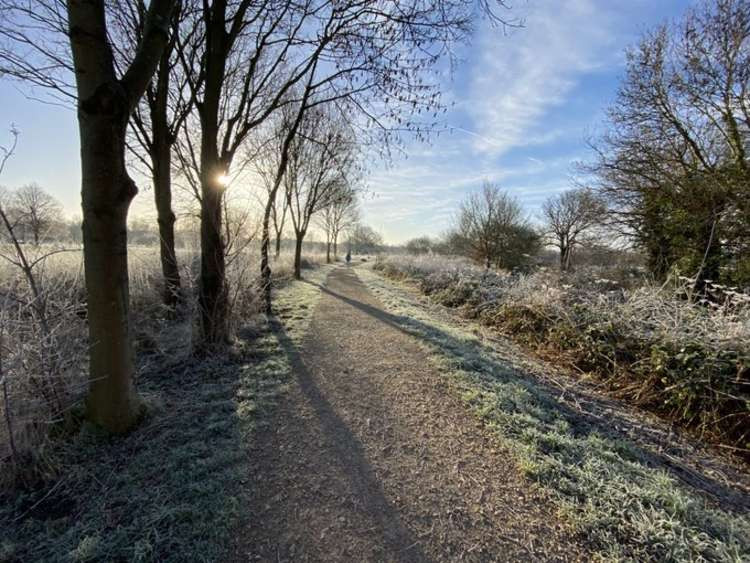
point(685, 360)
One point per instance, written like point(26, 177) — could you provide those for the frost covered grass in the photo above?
point(173, 488)
point(687, 361)
point(607, 488)
point(43, 373)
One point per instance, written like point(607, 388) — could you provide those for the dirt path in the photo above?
point(370, 457)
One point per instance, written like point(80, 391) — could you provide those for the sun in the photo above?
point(223, 180)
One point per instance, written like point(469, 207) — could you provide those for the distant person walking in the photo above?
point(348, 257)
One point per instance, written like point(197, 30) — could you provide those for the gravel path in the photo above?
point(371, 457)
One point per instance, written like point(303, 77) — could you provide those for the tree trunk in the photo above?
point(265, 266)
point(564, 258)
point(161, 162)
point(335, 247)
point(104, 106)
point(298, 256)
point(212, 296)
point(328, 251)
point(710, 266)
point(107, 191)
point(278, 246)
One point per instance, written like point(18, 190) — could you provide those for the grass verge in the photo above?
point(604, 486)
point(172, 490)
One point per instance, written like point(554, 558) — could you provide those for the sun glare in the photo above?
point(223, 180)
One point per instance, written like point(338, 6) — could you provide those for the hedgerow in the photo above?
point(686, 360)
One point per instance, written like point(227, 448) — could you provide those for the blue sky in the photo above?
point(525, 100)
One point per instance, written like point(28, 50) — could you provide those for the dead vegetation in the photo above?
point(629, 501)
point(652, 345)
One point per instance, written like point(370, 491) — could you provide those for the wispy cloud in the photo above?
point(518, 79)
point(523, 103)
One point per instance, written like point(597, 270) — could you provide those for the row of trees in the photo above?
point(210, 83)
point(492, 228)
point(671, 173)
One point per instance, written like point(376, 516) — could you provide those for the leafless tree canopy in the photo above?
point(569, 217)
point(492, 227)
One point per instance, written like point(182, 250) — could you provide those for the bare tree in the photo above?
point(105, 101)
point(363, 239)
point(569, 216)
point(340, 215)
point(255, 57)
point(493, 229)
point(673, 162)
point(35, 211)
point(265, 158)
point(156, 122)
point(280, 207)
point(321, 159)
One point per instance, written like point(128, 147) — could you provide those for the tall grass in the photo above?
point(44, 376)
point(687, 360)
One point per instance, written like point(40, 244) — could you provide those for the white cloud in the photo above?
point(518, 78)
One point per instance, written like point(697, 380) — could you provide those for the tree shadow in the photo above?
point(486, 369)
point(351, 463)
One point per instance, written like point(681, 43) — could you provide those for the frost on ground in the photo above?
point(608, 487)
point(174, 488)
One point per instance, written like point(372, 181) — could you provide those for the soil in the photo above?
point(371, 456)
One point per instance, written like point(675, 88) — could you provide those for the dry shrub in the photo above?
point(42, 363)
point(44, 376)
point(686, 360)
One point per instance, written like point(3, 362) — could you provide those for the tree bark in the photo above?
point(564, 258)
point(328, 252)
point(298, 256)
point(212, 297)
point(265, 266)
point(104, 106)
point(107, 192)
point(278, 246)
point(161, 162)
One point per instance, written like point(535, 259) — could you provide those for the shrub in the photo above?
point(43, 377)
point(687, 361)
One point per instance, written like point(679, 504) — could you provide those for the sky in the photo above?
point(524, 101)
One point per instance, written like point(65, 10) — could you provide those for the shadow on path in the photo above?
point(474, 358)
point(351, 462)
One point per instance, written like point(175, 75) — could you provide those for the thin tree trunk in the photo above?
point(328, 251)
point(564, 258)
point(335, 247)
point(166, 219)
point(710, 263)
point(265, 266)
point(161, 161)
point(278, 246)
point(298, 256)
